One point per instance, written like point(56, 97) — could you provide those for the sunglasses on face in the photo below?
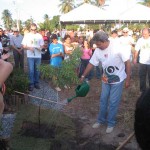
point(125, 32)
point(33, 29)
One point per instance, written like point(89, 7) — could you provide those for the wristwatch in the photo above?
point(82, 76)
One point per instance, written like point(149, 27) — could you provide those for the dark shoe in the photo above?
point(37, 86)
point(30, 88)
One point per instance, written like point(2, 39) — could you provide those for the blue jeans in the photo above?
point(143, 72)
point(34, 74)
point(110, 96)
point(84, 63)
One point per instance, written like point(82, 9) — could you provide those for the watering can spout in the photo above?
point(81, 91)
point(70, 99)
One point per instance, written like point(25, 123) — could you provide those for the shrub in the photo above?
point(66, 74)
point(17, 81)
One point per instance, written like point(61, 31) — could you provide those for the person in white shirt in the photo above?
point(33, 42)
point(114, 37)
point(143, 45)
point(116, 68)
point(127, 42)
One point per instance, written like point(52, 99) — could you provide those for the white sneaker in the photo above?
point(109, 129)
point(58, 89)
point(96, 125)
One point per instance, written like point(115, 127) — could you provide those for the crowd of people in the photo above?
point(111, 55)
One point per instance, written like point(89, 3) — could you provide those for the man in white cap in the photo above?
point(127, 42)
point(116, 68)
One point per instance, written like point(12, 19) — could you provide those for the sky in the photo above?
point(25, 9)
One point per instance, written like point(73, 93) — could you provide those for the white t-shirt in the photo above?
point(112, 59)
point(1, 48)
point(115, 40)
point(33, 40)
point(126, 41)
point(144, 46)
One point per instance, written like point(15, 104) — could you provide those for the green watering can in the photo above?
point(81, 91)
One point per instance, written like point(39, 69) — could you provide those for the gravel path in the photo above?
point(7, 125)
point(50, 97)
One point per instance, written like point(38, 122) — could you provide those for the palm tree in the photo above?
point(147, 3)
point(87, 1)
point(66, 6)
point(94, 2)
point(46, 17)
point(28, 23)
point(7, 19)
point(46, 21)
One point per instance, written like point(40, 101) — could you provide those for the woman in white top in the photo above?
point(68, 47)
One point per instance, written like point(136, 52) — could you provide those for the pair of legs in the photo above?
point(34, 74)
point(84, 63)
point(109, 103)
point(143, 72)
point(19, 59)
point(5, 70)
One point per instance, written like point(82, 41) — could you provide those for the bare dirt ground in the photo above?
point(85, 110)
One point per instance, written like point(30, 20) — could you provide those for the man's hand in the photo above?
point(38, 48)
point(134, 61)
point(82, 78)
point(5, 56)
point(6, 49)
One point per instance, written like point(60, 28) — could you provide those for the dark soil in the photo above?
point(37, 131)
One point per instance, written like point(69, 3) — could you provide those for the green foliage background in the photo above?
point(67, 73)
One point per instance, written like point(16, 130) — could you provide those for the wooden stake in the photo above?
point(39, 98)
point(126, 141)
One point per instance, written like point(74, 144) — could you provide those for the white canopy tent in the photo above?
point(136, 14)
point(88, 14)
